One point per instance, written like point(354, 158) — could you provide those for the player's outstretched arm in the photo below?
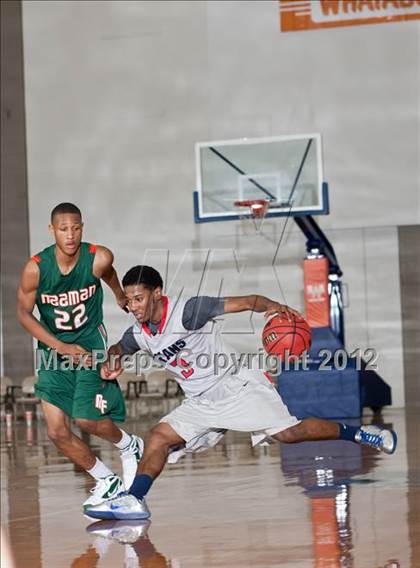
point(256, 303)
point(127, 345)
point(112, 368)
point(103, 268)
point(25, 305)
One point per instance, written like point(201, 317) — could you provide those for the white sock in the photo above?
point(99, 470)
point(124, 442)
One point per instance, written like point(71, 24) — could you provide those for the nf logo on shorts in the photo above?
point(100, 403)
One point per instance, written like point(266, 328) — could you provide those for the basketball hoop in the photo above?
point(257, 207)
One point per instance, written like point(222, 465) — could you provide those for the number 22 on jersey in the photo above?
point(68, 321)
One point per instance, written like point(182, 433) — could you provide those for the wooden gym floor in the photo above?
point(329, 504)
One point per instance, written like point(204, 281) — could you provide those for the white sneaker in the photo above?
point(124, 532)
point(130, 458)
point(124, 507)
point(105, 488)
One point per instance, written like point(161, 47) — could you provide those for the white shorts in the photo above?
point(247, 402)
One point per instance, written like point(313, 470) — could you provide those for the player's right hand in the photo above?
point(76, 352)
point(282, 310)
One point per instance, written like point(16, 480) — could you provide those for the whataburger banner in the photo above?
point(302, 15)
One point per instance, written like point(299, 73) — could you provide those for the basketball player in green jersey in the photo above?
point(64, 282)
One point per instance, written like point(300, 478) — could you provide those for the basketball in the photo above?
point(284, 338)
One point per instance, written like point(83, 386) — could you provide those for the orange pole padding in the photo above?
point(317, 302)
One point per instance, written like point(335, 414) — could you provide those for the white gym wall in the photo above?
point(117, 93)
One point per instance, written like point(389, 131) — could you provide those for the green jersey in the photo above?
point(70, 305)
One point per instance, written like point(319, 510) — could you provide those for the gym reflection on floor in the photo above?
point(324, 504)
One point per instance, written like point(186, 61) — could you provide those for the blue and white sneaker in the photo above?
point(382, 440)
point(130, 458)
point(123, 507)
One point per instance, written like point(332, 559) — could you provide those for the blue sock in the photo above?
point(348, 432)
point(141, 485)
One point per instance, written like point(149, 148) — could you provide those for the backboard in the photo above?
point(286, 170)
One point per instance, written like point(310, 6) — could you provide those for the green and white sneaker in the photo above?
point(130, 458)
point(105, 488)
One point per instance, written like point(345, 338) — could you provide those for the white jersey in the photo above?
point(189, 355)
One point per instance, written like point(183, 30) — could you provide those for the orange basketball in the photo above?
point(284, 338)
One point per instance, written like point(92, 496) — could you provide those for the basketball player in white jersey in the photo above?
point(176, 332)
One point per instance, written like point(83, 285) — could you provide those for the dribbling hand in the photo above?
point(282, 310)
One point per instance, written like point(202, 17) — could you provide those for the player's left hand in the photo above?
point(122, 302)
point(282, 310)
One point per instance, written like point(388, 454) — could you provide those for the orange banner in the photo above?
point(302, 15)
point(317, 302)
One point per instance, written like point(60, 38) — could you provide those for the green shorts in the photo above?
point(80, 393)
